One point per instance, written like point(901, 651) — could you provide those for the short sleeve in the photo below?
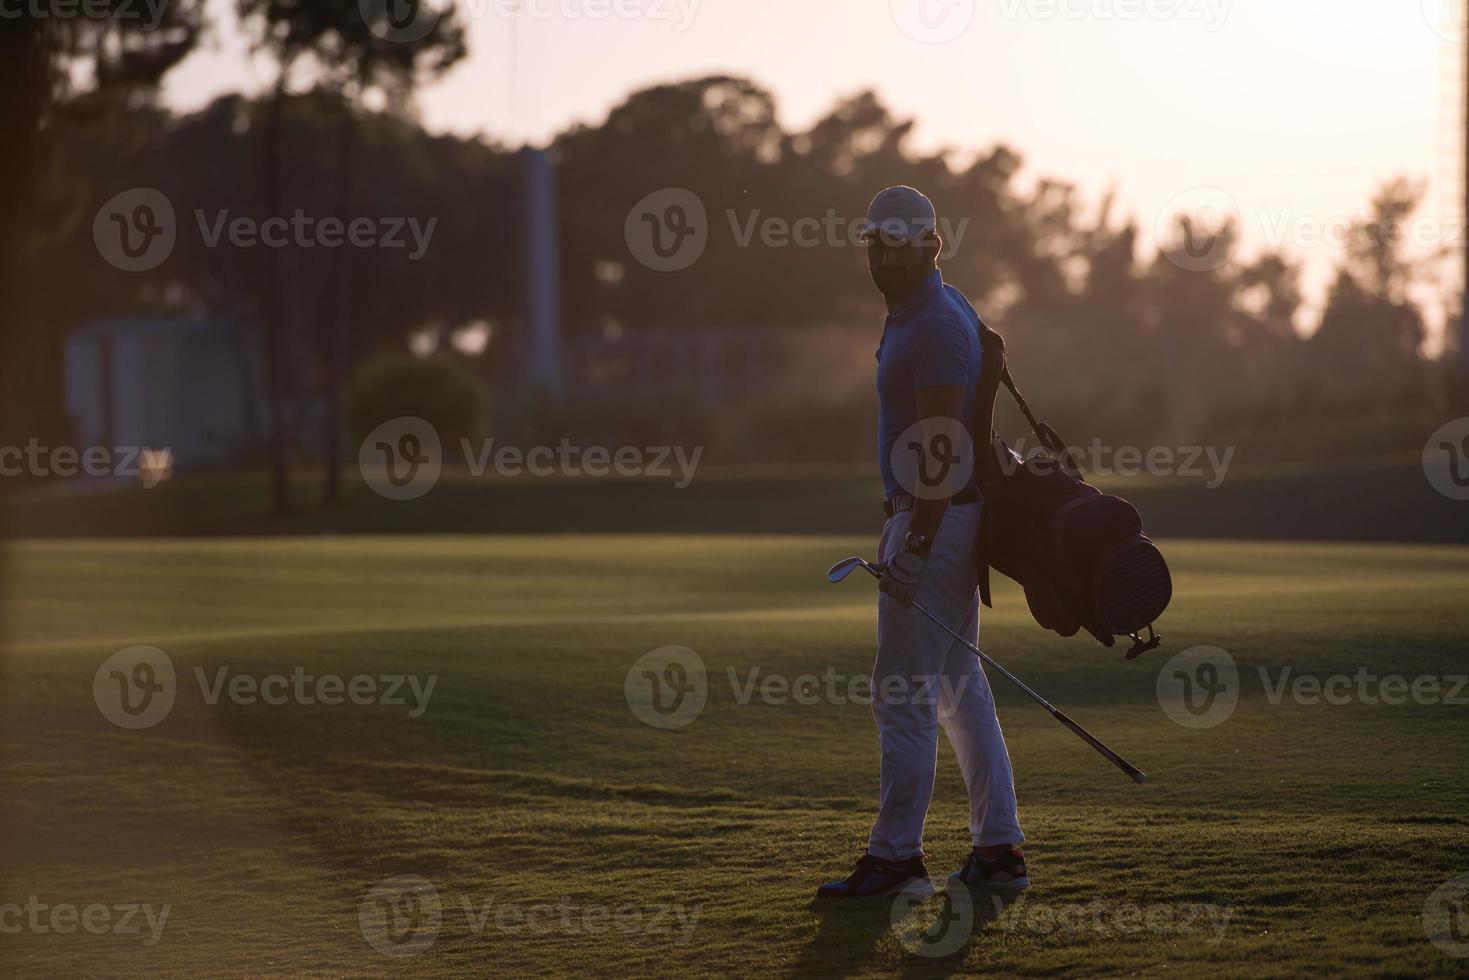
point(940, 353)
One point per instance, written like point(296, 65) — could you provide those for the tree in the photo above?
point(58, 72)
point(23, 77)
point(352, 49)
point(1367, 349)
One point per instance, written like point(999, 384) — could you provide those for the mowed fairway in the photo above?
point(1314, 833)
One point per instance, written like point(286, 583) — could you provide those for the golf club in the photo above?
point(844, 568)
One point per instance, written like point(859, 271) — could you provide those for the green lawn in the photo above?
point(561, 834)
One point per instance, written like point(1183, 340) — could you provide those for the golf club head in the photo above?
point(844, 568)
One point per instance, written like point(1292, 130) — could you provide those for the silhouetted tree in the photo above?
point(59, 73)
point(1367, 349)
point(354, 50)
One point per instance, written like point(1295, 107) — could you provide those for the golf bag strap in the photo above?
point(994, 370)
point(1043, 432)
point(982, 431)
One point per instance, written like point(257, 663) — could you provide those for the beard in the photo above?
point(897, 283)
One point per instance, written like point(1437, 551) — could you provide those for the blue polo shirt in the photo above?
point(931, 341)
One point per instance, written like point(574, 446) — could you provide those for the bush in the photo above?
point(440, 390)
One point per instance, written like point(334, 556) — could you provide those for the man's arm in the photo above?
point(901, 577)
point(945, 402)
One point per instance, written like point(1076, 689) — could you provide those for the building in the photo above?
point(189, 385)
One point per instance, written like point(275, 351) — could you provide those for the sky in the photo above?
point(1292, 110)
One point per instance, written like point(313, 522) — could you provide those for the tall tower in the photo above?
point(1450, 21)
point(542, 283)
point(1461, 12)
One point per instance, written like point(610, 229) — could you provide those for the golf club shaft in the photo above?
point(1134, 772)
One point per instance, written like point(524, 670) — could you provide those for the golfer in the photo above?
point(928, 366)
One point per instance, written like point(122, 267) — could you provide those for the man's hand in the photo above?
point(901, 576)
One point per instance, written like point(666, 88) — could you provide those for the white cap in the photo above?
point(901, 212)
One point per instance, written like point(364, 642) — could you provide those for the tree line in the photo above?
point(1137, 343)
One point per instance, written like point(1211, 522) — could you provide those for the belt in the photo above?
point(900, 502)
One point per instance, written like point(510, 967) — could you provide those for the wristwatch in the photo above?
point(917, 543)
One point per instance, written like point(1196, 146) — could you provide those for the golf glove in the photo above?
point(901, 576)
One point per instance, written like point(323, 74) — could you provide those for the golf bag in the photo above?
point(1080, 554)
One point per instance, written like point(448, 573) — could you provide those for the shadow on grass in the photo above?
point(933, 935)
point(843, 942)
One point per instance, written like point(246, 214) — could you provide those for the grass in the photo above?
point(1319, 831)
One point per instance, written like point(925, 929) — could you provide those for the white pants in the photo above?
point(924, 678)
